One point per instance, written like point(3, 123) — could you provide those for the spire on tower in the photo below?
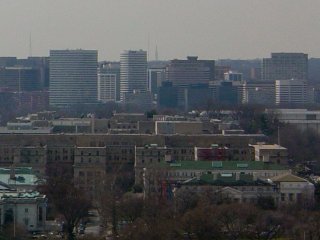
point(156, 54)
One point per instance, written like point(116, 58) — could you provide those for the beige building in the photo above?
point(270, 153)
point(293, 189)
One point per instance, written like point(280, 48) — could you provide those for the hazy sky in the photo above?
point(211, 29)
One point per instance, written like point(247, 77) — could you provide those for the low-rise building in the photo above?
point(178, 127)
point(23, 209)
point(293, 189)
point(175, 172)
point(270, 153)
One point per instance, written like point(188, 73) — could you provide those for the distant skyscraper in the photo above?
point(190, 71)
point(107, 87)
point(133, 72)
point(110, 70)
point(183, 73)
point(283, 66)
point(73, 77)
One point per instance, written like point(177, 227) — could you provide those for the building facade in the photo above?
point(291, 91)
point(283, 66)
point(133, 72)
point(73, 77)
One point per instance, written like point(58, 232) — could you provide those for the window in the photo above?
point(282, 197)
point(290, 197)
point(40, 214)
point(26, 221)
point(26, 210)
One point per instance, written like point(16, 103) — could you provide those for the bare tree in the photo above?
point(68, 200)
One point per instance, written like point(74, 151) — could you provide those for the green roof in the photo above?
point(223, 180)
point(23, 176)
point(221, 165)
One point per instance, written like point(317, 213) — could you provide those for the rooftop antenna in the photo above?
point(148, 45)
point(156, 54)
point(30, 45)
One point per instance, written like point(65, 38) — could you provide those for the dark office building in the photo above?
point(197, 96)
point(167, 95)
point(227, 93)
point(19, 79)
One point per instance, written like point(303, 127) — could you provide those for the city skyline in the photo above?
point(210, 29)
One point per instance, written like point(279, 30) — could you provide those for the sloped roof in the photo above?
point(288, 178)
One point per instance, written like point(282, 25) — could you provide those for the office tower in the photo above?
point(182, 73)
point(110, 70)
point(283, 66)
point(20, 79)
point(293, 91)
point(133, 72)
point(107, 87)
point(155, 78)
point(190, 71)
point(167, 95)
point(73, 77)
point(257, 92)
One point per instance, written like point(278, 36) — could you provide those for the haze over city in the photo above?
point(211, 29)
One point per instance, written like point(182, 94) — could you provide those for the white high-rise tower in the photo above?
point(133, 72)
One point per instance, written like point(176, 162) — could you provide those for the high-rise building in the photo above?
point(190, 71)
point(107, 87)
point(293, 91)
point(109, 81)
point(283, 66)
point(183, 73)
point(133, 72)
point(258, 92)
point(73, 77)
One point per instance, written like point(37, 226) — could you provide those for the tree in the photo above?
point(68, 200)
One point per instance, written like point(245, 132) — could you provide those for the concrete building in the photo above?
point(283, 189)
point(270, 153)
point(73, 77)
point(176, 172)
point(303, 119)
point(89, 168)
point(182, 73)
point(24, 210)
point(133, 72)
point(293, 189)
point(282, 66)
point(107, 87)
point(291, 91)
point(20, 79)
point(155, 78)
point(190, 71)
point(178, 127)
point(167, 95)
point(227, 188)
point(260, 93)
point(111, 70)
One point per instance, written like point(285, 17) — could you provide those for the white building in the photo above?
point(303, 119)
point(73, 77)
point(107, 87)
point(133, 72)
point(23, 209)
point(293, 91)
